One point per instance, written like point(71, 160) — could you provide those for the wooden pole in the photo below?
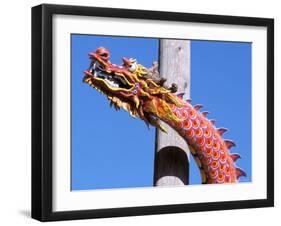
point(171, 165)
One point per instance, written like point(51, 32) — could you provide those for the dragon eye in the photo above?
point(132, 67)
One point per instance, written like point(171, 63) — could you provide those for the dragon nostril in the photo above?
point(104, 55)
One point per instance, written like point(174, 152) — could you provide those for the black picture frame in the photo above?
point(42, 111)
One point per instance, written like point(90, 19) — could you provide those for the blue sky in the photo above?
point(112, 150)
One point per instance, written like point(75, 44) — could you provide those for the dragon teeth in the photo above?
point(111, 83)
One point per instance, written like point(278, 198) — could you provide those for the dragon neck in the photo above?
point(207, 146)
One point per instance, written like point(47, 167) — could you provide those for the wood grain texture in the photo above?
point(171, 157)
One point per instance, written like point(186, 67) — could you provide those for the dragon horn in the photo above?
point(126, 61)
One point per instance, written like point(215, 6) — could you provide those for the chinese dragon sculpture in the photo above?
point(142, 93)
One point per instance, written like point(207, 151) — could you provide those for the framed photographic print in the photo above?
point(120, 112)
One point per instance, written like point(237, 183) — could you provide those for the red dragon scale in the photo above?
point(216, 163)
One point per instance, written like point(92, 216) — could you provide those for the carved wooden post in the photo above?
point(171, 165)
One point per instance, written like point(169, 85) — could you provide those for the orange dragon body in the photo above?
point(133, 88)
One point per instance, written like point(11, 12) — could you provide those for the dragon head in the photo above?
point(130, 86)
